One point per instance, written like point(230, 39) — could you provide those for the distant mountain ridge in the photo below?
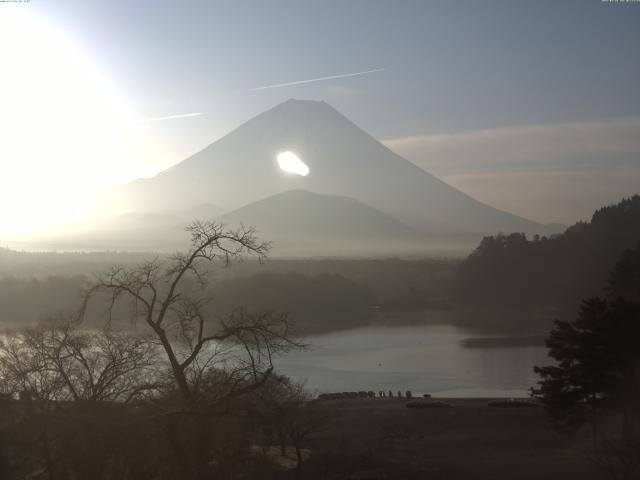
point(297, 222)
point(240, 168)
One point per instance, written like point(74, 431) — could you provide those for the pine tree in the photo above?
point(596, 379)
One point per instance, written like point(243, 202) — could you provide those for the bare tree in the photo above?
point(56, 361)
point(286, 409)
point(212, 361)
point(72, 384)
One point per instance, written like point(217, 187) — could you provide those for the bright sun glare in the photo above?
point(289, 162)
point(66, 133)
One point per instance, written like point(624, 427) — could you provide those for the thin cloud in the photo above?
point(319, 79)
point(550, 173)
point(171, 117)
point(600, 144)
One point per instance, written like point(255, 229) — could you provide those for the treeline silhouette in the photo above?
point(314, 302)
point(320, 294)
point(393, 281)
point(511, 271)
point(38, 264)
point(389, 279)
point(28, 300)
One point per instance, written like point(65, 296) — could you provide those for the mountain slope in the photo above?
point(304, 223)
point(241, 168)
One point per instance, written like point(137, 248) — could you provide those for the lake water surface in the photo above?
point(423, 359)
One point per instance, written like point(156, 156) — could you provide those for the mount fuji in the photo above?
point(343, 160)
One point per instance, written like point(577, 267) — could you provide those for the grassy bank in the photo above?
point(381, 438)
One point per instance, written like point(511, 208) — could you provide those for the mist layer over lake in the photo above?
point(424, 359)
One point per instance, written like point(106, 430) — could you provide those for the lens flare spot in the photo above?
point(289, 162)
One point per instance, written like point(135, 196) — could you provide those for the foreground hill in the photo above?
point(304, 223)
point(511, 271)
point(241, 168)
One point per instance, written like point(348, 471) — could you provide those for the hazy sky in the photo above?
point(532, 105)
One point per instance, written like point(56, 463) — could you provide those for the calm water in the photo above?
point(423, 359)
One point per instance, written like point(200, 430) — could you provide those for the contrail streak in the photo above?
point(171, 117)
point(319, 79)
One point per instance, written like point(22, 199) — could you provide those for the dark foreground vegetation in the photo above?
point(457, 439)
point(361, 438)
point(594, 386)
point(551, 275)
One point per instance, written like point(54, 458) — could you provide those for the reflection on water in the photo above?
point(423, 359)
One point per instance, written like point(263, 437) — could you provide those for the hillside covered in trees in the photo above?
point(319, 294)
point(513, 272)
